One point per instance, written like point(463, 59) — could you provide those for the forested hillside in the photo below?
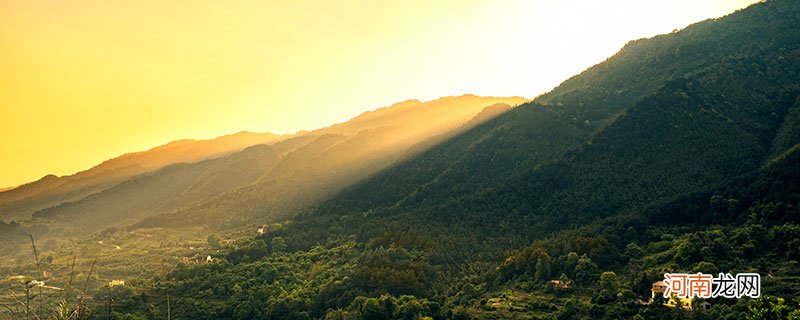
point(539, 164)
point(674, 155)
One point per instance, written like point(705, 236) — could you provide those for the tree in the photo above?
point(278, 244)
point(688, 250)
point(608, 280)
point(633, 251)
point(409, 310)
point(769, 307)
point(564, 278)
point(371, 310)
point(213, 241)
point(585, 270)
point(571, 263)
point(705, 267)
point(572, 310)
point(627, 296)
point(717, 203)
point(543, 267)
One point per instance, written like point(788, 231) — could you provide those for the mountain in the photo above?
point(21, 201)
point(270, 181)
point(594, 146)
point(678, 154)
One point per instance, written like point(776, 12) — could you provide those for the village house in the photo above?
point(658, 289)
point(197, 259)
point(116, 282)
point(560, 284)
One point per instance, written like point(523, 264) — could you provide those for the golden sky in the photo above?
point(82, 81)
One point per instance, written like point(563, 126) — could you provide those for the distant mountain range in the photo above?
point(19, 202)
point(239, 176)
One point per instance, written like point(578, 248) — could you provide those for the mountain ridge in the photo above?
point(349, 150)
point(51, 190)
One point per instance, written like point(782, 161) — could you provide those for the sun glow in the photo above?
point(83, 81)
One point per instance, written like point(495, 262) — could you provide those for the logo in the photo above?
point(701, 285)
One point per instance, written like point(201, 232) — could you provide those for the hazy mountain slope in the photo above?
point(21, 201)
point(165, 189)
point(476, 160)
point(271, 180)
point(562, 120)
point(340, 158)
point(415, 116)
point(540, 167)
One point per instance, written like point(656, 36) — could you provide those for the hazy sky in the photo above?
point(82, 81)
